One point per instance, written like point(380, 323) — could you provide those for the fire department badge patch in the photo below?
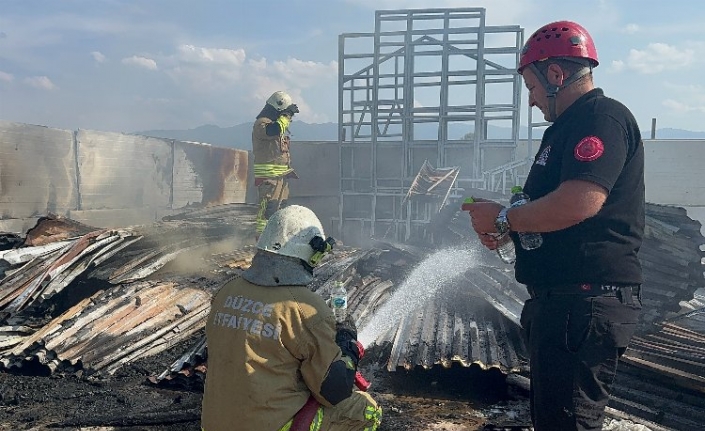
point(588, 149)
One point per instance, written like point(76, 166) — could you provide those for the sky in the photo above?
point(126, 66)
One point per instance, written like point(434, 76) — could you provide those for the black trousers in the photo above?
point(575, 341)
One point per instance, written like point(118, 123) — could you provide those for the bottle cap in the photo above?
point(517, 189)
point(467, 202)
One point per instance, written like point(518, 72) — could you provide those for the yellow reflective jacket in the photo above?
point(269, 349)
point(267, 149)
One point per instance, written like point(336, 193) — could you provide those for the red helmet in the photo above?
point(558, 39)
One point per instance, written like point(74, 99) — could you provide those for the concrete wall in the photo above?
point(318, 186)
point(674, 169)
point(37, 171)
point(112, 179)
point(109, 179)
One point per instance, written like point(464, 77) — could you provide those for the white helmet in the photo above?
point(279, 100)
point(295, 231)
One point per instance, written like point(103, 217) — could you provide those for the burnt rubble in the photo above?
point(85, 300)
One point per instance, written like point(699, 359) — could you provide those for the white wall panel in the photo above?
point(123, 171)
point(675, 171)
point(37, 170)
point(208, 175)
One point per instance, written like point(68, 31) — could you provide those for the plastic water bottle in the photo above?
point(505, 248)
point(529, 240)
point(339, 301)
point(505, 245)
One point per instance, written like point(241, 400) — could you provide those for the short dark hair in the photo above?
point(568, 64)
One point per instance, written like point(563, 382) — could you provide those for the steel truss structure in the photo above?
point(429, 85)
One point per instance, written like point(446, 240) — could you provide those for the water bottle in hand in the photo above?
point(528, 240)
point(505, 248)
point(505, 244)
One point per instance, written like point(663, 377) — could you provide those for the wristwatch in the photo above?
point(501, 223)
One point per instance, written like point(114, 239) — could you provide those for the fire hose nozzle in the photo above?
point(361, 383)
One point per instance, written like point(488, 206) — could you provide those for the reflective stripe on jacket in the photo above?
point(269, 170)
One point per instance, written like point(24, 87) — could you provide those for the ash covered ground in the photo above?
point(459, 399)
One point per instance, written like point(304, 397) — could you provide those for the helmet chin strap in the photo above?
point(552, 90)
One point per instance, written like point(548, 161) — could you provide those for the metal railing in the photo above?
point(503, 177)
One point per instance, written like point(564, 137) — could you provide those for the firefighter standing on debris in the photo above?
point(277, 359)
point(587, 199)
point(270, 146)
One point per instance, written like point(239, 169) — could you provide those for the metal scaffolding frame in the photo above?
point(427, 85)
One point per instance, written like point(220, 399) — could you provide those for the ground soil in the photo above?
point(459, 399)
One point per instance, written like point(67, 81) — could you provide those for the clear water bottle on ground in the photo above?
point(339, 301)
point(528, 240)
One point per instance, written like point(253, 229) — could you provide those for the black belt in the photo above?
point(587, 289)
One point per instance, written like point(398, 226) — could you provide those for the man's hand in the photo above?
point(291, 110)
point(483, 214)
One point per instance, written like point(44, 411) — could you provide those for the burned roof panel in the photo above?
point(472, 320)
point(459, 330)
point(115, 326)
point(102, 317)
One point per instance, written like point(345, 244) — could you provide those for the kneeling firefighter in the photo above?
point(277, 359)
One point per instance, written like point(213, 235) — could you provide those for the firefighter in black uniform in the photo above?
point(587, 200)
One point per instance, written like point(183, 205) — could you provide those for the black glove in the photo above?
point(346, 339)
point(291, 110)
point(345, 330)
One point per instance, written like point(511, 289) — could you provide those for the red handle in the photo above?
point(361, 383)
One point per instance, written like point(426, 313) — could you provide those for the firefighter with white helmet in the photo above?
point(277, 359)
point(270, 146)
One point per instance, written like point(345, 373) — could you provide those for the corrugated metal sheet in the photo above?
point(676, 350)
point(670, 257)
point(36, 178)
point(662, 375)
point(94, 263)
point(457, 329)
point(115, 326)
point(474, 321)
point(53, 228)
point(49, 273)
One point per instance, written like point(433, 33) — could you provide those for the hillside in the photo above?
point(239, 136)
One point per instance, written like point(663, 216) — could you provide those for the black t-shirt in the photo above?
point(596, 139)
